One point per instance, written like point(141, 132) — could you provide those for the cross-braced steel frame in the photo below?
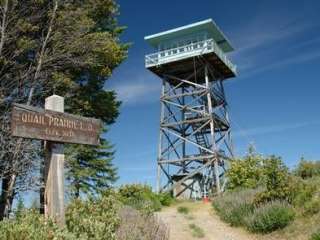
point(195, 138)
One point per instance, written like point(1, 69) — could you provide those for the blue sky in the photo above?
point(274, 102)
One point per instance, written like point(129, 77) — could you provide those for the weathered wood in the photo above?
point(44, 124)
point(54, 170)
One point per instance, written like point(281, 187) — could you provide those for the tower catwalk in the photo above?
point(195, 140)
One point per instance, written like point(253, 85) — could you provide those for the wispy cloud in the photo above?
point(139, 168)
point(272, 129)
point(136, 86)
point(134, 92)
point(275, 40)
point(296, 59)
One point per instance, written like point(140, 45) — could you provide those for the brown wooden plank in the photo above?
point(37, 123)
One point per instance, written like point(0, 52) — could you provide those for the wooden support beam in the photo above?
point(54, 170)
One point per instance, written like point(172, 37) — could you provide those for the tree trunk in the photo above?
point(77, 191)
point(3, 197)
point(3, 24)
point(7, 195)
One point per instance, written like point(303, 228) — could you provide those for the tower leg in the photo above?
point(160, 139)
point(158, 178)
point(214, 149)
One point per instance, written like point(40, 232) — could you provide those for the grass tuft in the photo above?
point(196, 231)
point(183, 210)
point(315, 236)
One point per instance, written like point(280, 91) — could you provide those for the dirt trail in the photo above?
point(202, 215)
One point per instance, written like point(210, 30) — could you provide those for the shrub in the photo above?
point(233, 207)
point(136, 226)
point(94, 218)
point(315, 236)
point(32, 226)
point(140, 197)
point(183, 210)
point(277, 181)
point(302, 191)
point(165, 199)
point(196, 231)
point(270, 217)
point(307, 169)
point(312, 207)
point(246, 172)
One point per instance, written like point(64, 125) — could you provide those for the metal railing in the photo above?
point(190, 50)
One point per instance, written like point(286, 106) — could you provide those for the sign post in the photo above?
point(54, 127)
point(54, 169)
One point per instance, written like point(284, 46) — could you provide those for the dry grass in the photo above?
point(301, 229)
point(135, 226)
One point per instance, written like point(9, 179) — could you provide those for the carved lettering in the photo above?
point(37, 123)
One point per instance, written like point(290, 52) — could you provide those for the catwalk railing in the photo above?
point(190, 50)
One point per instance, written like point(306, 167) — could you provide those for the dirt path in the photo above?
point(203, 216)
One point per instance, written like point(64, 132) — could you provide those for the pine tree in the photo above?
point(68, 48)
point(90, 169)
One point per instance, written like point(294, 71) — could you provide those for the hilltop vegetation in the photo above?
point(265, 196)
point(123, 214)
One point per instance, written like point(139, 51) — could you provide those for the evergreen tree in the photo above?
point(69, 48)
point(90, 169)
point(20, 208)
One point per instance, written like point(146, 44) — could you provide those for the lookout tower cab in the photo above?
point(195, 139)
point(176, 48)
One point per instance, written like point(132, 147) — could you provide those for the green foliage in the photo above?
point(183, 210)
point(302, 191)
point(20, 208)
point(94, 218)
point(104, 217)
point(165, 199)
point(90, 169)
point(312, 207)
point(270, 217)
point(32, 226)
point(197, 231)
point(246, 172)
point(315, 236)
point(305, 194)
point(307, 169)
point(68, 48)
point(140, 197)
point(276, 180)
point(233, 207)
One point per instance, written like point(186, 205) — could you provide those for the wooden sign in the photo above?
point(37, 123)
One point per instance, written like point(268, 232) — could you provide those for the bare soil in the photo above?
point(203, 215)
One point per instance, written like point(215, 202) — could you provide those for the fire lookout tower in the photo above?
point(195, 140)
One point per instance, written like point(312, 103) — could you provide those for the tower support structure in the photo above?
point(195, 142)
point(195, 136)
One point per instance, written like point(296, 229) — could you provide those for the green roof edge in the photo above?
point(192, 25)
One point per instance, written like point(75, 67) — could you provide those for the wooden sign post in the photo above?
point(54, 169)
point(55, 127)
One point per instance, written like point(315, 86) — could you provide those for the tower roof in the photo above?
point(207, 25)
